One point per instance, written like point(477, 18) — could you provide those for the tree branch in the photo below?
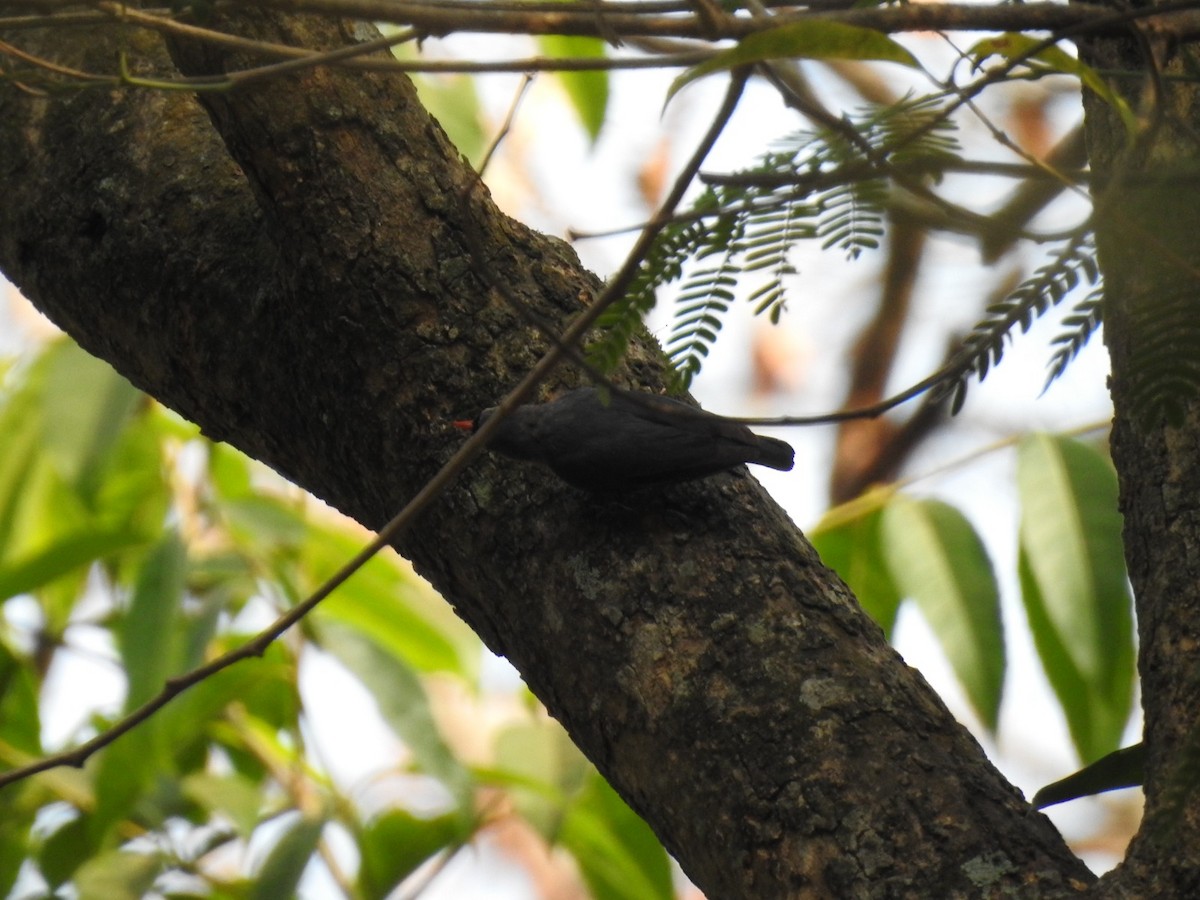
point(294, 277)
point(603, 20)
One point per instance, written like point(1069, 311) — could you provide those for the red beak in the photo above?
point(463, 424)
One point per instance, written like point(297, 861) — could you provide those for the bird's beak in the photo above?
point(464, 424)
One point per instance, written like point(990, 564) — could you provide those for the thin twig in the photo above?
point(677, 59)
point(50, 66)
point(865, 171)
point(1173, 20)
point(507, 125)
point(602, 20)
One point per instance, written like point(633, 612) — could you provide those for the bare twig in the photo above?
point(436, 17)
point(507, 124)
point(49, 65)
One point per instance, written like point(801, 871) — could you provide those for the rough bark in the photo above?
point(300, 276)
point(1148, 216)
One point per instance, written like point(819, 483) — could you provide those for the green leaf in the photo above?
point(260, 519)
point(77, 482)
point(123, 775)
point(15, 827)
point(404, 705)
point(281, 872)
point(67, 410)
point(117, 875)
point(936, 557)
point(548, 769)
point(149, 636)
point(392, 622)
point(237, 798)
point(1075, 588)
point(62, 555)
point(1120, 769)
point(387, 602)
point(619, 855)
point(20, 423)
point(45, 510)
point(801, 40)
point(136, 776)
point(265, 686)
point(395, 843)
point(850, 541)
point(64, 850)
point(133, 493)
point(87, 405)
point(588, 90)
point(229, 471)
point(20, 726)
point(1021, 47)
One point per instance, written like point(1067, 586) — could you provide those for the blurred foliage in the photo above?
point(888, 546)
point(815, 39)
point(936, 558)
point(587, 91)
point(131, 544)
point(124, 529)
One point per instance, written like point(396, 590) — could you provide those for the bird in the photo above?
point(615, 440)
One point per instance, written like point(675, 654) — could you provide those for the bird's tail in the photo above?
point(775, 453)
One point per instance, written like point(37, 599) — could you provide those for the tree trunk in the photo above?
point(1148, 219)
point(308, 272)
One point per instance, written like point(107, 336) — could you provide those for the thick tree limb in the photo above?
point(295, 277)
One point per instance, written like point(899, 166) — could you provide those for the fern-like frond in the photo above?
point(704, 300)
point(853, 220)
point(769, 238)
point(1083, 321)
point(983, 348)
point(663, 264)
point(919, 131)
point(753, 219)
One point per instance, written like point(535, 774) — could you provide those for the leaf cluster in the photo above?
point(830, 185)
point(128, 534)
point(889, 546)
point(1071, 265)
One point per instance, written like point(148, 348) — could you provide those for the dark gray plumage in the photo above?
point(634, 439)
